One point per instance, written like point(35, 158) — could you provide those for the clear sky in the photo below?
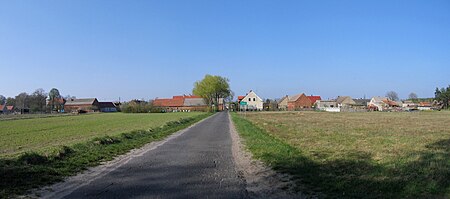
point(147, 49)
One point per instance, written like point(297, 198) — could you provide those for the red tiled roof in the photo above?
point(9, 108)
point(176, 101)
point(314, 98)
point(240, 98)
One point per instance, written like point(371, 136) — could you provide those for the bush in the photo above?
point(33, 158)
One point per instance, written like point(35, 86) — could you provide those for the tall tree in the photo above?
point(2, 99)
point(212, 88)
point(37, 101)
point(413, 96)
point(22, 101)
point(392, 95)
point(10, 101)
point(52, 96)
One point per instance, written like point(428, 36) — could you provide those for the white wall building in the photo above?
point(254, 102)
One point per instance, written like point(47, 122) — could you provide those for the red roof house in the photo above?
point(314, 99)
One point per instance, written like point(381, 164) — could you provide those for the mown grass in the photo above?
point(355, 155)
point(35, 169)
point(46, 134)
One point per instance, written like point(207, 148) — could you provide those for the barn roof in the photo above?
point(194, 102)
point(106, 105)
point(85, 101)
point(174, 102)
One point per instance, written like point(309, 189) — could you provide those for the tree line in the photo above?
point(35, 102)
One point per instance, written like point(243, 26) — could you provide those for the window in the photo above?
point(254, 99)
point(249, 99)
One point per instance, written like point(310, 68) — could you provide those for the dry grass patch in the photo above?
point(365, 154)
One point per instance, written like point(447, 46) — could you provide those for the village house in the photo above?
point(382, 104)
point(301, 102)
point(360, 104)
point(252, 102)
point(87, 105)
point(6, 109)
point(185, 103)
point(424, 106)
point(283, 103)
point(345, 102)
point(327, 105)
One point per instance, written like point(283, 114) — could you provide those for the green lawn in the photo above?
point(355, 155)
point(44, 134)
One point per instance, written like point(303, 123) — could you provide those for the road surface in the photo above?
point(197, 164)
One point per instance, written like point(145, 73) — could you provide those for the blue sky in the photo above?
point(148, 49)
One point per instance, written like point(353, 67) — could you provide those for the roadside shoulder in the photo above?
point(261, 180)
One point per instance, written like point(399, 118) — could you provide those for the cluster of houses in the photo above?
point(252, 102)
point(69, 105)
point(249, 102)
point(184, 103)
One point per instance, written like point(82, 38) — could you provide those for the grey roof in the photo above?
point(194, 102)
point(379, 99)
point(341, 99)
point(86, 101)
point(361, 102)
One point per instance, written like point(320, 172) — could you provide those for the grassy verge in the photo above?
point(345, 172)
point(32, 169)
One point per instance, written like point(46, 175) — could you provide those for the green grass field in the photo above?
point(355, 155)
point(44, 134)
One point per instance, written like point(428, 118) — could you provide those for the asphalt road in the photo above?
point(196, 164)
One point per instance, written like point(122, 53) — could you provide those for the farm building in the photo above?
point(382, 104)
point(327, 105)
point(283, 103)
point(301, 101)
point(253, 102)
point(6, 109)
point(345, 101)
point(107, 107)
point(57, 103)
point(424, 106)
point(87, 104)
point(184, 103)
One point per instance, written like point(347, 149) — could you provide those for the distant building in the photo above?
point(57, 103)
point(87, 104)
point(283, 103)
point(6, 109)
point(254, 102)
point(107, 107)
point(184, 103)
point(345, 101)
point(302, 102)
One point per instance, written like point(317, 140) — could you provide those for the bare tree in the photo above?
point(413, 96)
point(392, 95)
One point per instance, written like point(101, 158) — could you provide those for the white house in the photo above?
point(253, 101)
point(378, 102)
